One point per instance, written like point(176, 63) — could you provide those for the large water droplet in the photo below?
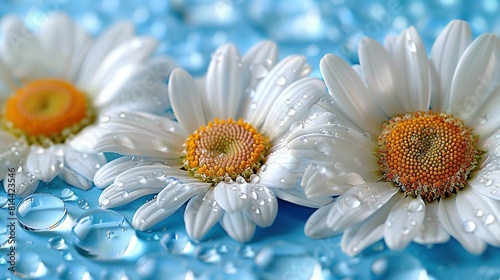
point(57, 243)
point(352, 201)
point(90, 236)
point(177, 243)
point(469, 226)
point(73, 272)
point(398, 266)
point(283, 260)
point(83, 204)
point(29, 265)
point(322, 147)
point(280, 80)
point(40, 211)
point(67, 194)
point(415, 207)
point(159, 266)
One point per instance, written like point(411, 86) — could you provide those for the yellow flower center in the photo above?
point(225, 149)
point(46, 109)
point(427, 154)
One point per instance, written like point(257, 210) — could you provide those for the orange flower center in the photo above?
point(427, 154)
point(46, 109)
point(225, 149)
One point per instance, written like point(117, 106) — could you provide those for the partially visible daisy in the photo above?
point(55, 83)
point(417, 159)
point(224, 155)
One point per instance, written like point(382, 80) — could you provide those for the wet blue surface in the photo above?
point(189, 31)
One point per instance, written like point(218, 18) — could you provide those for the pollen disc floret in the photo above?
point(427, 154)
point(225, 149)
point(48, 109)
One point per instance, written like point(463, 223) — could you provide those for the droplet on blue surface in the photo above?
point(398, 266)
point(283, 260)
point(67, 256)
point(246, 251)
point(67, 194)
point(207, 254)
point(57, 243)
point(73, 271)
point(3, 201)
point(158, 266)
point(91, 236)
point(177, 243)
point(83, 204)
point(29, 265)
point(40, 212)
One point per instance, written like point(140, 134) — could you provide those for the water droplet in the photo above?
point(122, 115)
point(479, 213)
point(105, 119)
point(253, 106)
point(67, 256)
point(367, 135)
point(159, 145)
point(3, 201)
point(489, 219)
point(29, 265)
point(158, 174)
point(290, 112)
point(246, 251)
point(158, 266)
point(57, 243)
point(415, 207)
point(303, 139)
point(124, 140)
point(280, 80)
point(90, 236)
point(469, 226)
point(352, 201)
point(177, 243)
point(83, 204)
point(73, 272)
point(141, 179)
point(207, 254)
point(322, 147)
point(398, 266)
point(282, 180)
point(258, 70)
point(283, 259)
point(67, 194)
point(488, 182)
point(40, 211)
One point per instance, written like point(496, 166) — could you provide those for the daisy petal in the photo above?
point(238, 226)
point(85, 164)
point(379, 75)
point(179, 191)
point(232, 197)
point(7, 83)
point(292, 106)
point(201, 214)
point(358, 203)
point(11, 153)
point(445, 55)
point(263, 206)
point(487, 184)
point(413, 65)
point(452, 222)
point(404, 222)
point(185, 99)
point(350, 93)
point(45, 163)
point(73, 178)
point(85, 140)
point(149, 214)
point(82, 43)
point(297, 196)
point(223, 83)
point(316, 226)
point(257, 61)
point(274, 175)
point(431, 231)
point(119, 195)
point(270, 88)
point(480, 214)
point(475, 78)
point(26, 183)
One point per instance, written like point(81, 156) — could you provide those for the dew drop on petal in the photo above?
point(416, 207)
point(397, 266)
point(489, 219)
point(322, 147)
point(157, 266)
point(91, 236)
point(104, 119)
point(57, 243)
point(29, 265)
point(469, 226)
point(352, 201)
point(158, 174)
point(479, 213)
point(253, 105)
point(177, 243)
point(40, 212)
point(280, 80)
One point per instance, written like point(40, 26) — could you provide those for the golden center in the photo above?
point(427, 154)
point(225, 149)
point(48, 109)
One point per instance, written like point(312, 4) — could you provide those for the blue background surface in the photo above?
point(189, 31)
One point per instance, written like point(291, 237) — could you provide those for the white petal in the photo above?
point(270, 88)
point(379, 70)
point(107, 41)
point(316, 226)
point(404, 222)
point(360, 202)
point(45, 163)
point(283, 157)
point(7, 83)
point(413, 67)
point(263, 206)
point(179, 191)
point(25, 184)
point(82, 43)
point(445, 54)
point(487, 119)
point(481, 213)
point(292, 105)
point(223, 82)
point(150, 214)
point(232, 197)
point(451, 221)
point(297, 196)
point(486, 183)
point(257, 62)
point(12, 153)
point(350, 93)
point(185, 99)
point(476, 77)
point(238, 226)
point(431, 231)
point(201, 214)
point(73, 178)
point(85, 140)
point(273, 175)
point(85, 164)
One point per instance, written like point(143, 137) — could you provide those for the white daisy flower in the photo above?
point(417, 159)
point(54, 84)
point(225, 154)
